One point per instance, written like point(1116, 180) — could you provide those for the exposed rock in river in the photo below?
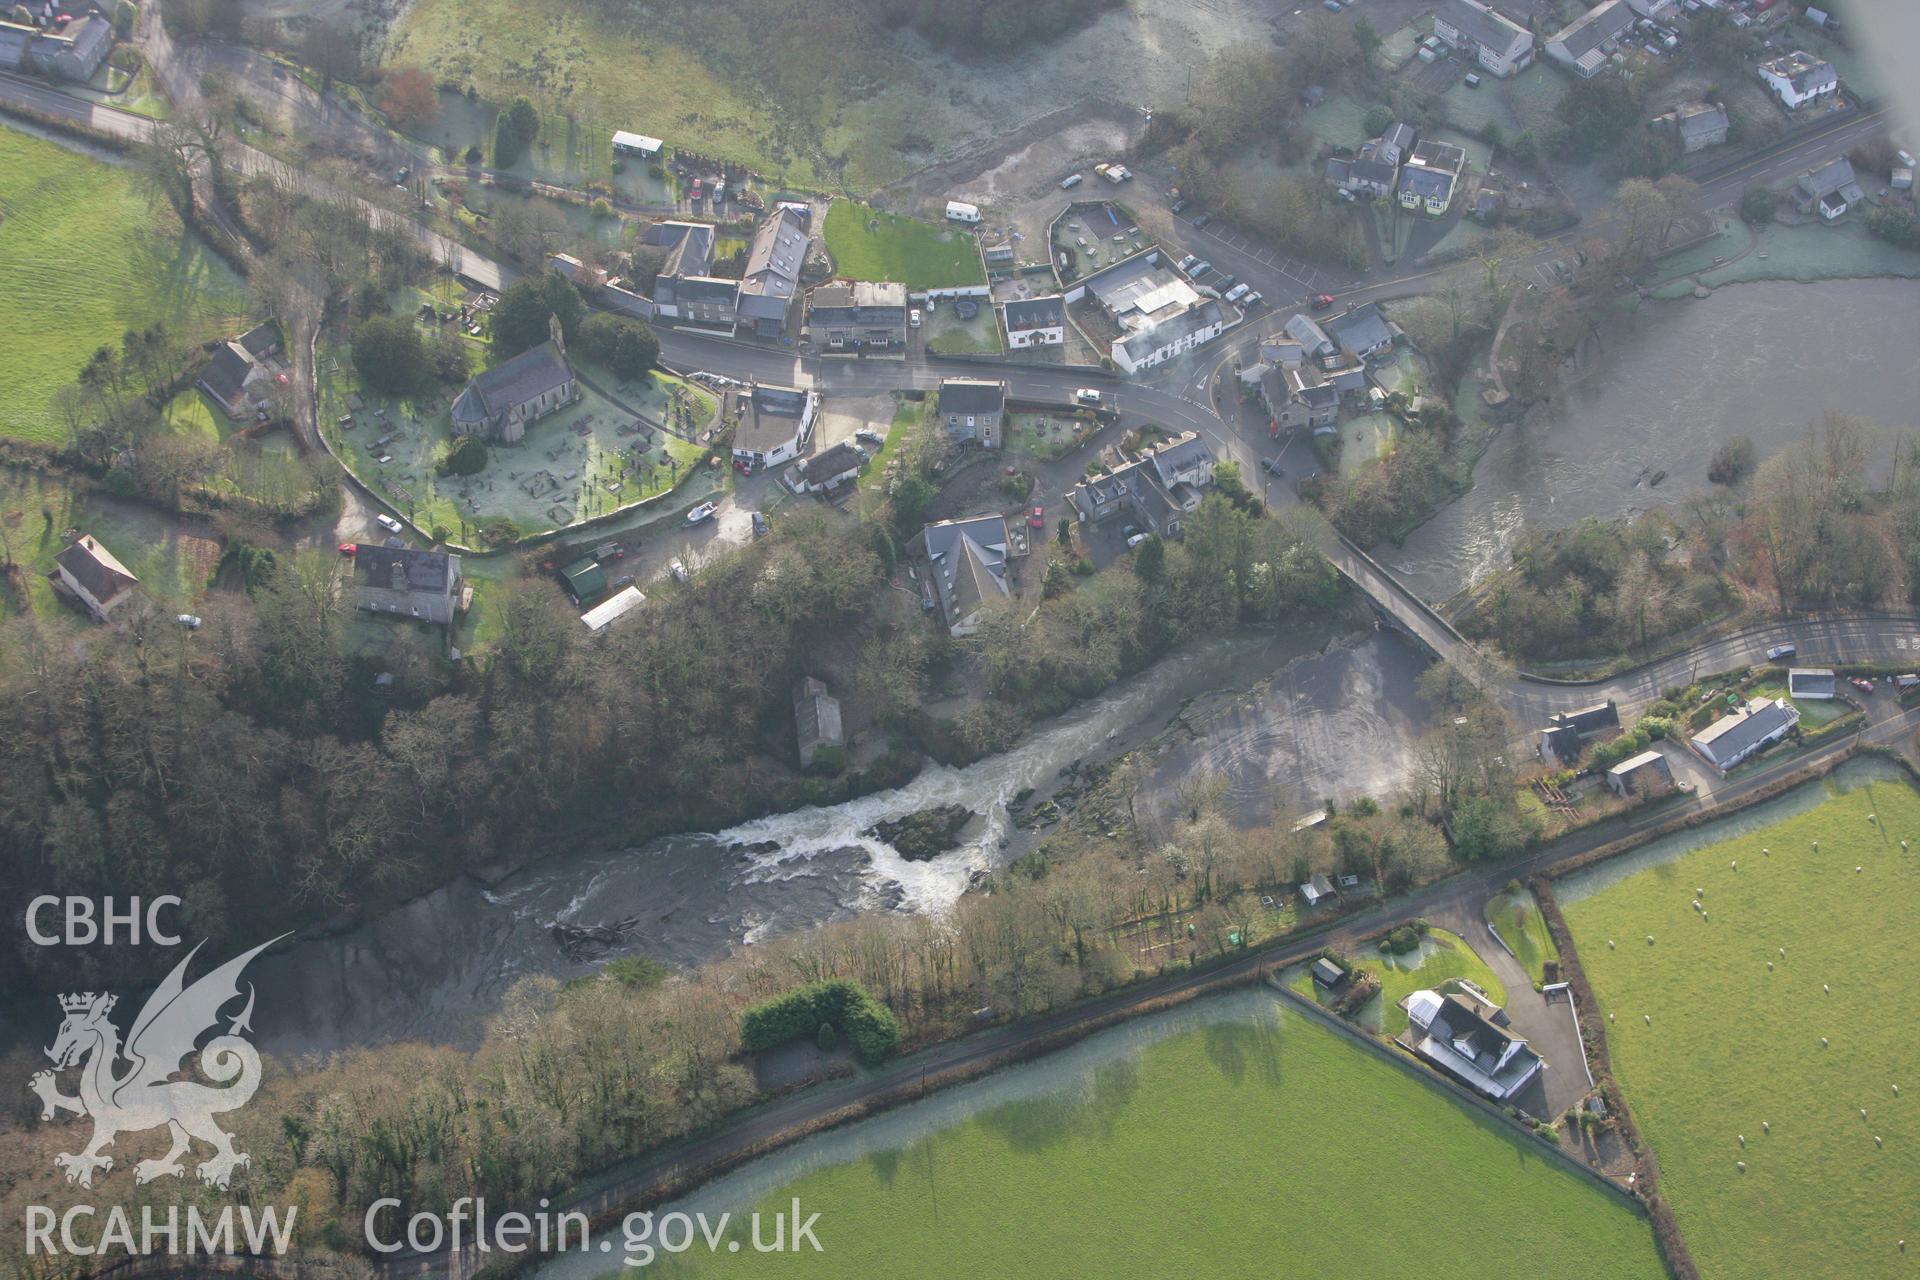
point(926, 834)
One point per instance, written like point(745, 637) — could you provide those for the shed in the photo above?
point(1645, 774)
point(612, 609)
point(585, 579)
point(1812, 682)
point(1317, 889)
point(635, 144)
point(1327, 973)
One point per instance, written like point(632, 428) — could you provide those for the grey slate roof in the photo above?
point(1591, 719)
point(95, 568)
point(837, 461)
point(1823, 180)
point(1397, 141)
point(1806, 73)
point(1036, 313)
point(1597, 26)
point(1428, 184)
point(1313, 340)
point(1732, 734)
point(401, 569)
point(226, 373)
point(1173, 328)
point(1361, 329)
point(1177, 456)
point(525, 377)
point(976, 397)
point(262, 340)
point(781, 402)
point(968, 561)
point(1480, 24)
point(774, 259)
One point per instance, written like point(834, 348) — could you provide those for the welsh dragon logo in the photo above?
point(146, 1095)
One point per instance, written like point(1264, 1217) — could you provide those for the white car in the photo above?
point(189, 621)
point(1780, 651)
point(1137, 539)
point(1087, 395)
point(678, 570)
point(913, 318)
point(388, 523)
point(1238, 292)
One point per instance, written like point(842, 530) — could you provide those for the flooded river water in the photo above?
point(1761, 360)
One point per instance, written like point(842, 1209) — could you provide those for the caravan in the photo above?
point(958, 211)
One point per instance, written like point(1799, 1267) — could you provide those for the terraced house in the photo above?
point(858, 317)
point(686, 291)
point(770, 286)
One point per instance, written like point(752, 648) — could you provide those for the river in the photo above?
point(1287, 718)
point(1762, 360)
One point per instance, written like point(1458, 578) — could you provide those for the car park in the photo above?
point(388, 523)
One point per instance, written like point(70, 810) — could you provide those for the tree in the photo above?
point(1369, 41)
point(1150, 560)
point(514, 132)
point(1378, 120)
point(389, 356)
point(1756, 206)
point(626, 346)
point(468, 456)
point(329, 49)
point(410, 98)
point(520, 317)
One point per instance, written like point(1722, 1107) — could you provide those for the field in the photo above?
point(1264, 1146)
point(917, 253)
point(85, 256)
point(1734, 1047)
point(1517, 917)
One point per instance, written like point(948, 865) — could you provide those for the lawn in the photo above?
point(85, 256)
point(1442, 958)
point(1045, 435)
point(1227, 1149)
point(1734, 1046)
point(907, 414)
point(1517, 917)
point(917, 253)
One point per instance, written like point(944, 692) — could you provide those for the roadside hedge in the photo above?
point(869, 1026)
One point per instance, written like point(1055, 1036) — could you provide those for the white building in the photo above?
point(95, 576)
point(1035, 322)
point(612, 609)
point(960, 211)
point(1498, 43)
point(1733, 738)
point(1798, 78)
point(775, 425)
point(1464, 1037)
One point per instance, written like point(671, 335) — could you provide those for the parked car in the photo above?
point(1177, 206)
point(388, 523)
point(1472, 80)
point(1321, 301)
point(1780, 651)
point(1202, 220)
point(1038, 520)
point(189, 621)
point(1862, 683)
point(1253, 300)
point(1331, 6)
point(1225, 281)
point(1136, 540)
point(702, 512)
point(1238, 292)
point(1087, 395)
point(913, 318)
point(348, 549)
point(1071, 181)
point(869, 436)
point(1271, 466)
point(1186, 263)
point(760, 526)
point(1200, 268)
point(678, 570)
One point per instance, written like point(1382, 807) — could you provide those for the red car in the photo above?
point(1321, 301)
point(1038, 520)
point(346, 548)
point(1861, 683)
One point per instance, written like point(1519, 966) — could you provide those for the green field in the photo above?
point(85, 256)
point(1269, 1146)
point(1517, 917)
point(917, 253)
point(1734, 1044)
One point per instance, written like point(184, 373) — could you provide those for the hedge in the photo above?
point(870, 1026)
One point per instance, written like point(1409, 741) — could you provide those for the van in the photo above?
point(1087, 395)
point(1238, 292)
point(1071, 181)
point(1780, 651)
point(1473, 80)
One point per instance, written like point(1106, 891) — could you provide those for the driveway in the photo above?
point(1546, 1027)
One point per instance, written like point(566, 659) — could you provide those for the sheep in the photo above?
point(1648, 1017)
point(1783, 953)
point(1816, 846)
point(1863, 1113)
point(1610, 944)
point(1769, 966)
point(1765, 852)
point(1858, 870)
point(1735, 864)
point(1741, 1165)
point(1649, 939)
point(1903, 849)
point(1823, 1042)
point(1765, 1127)
point(1825, 990)
point(1896, 1091)
point(1876, 1140)
point(1742, 1137)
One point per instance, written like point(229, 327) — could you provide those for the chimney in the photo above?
point(399, 574)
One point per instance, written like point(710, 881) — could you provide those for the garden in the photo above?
point(1087, 1162)
point(1517, 917)
point(1435, 961)
point(867, 244)
point(1754, 990)
point(86, 255)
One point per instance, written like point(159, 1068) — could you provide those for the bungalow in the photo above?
point(771, 282)
point(417, 584)
point(1035, 322)
point(864, 317)
point(499, 404)
point(1587, 721)
point(1584, 45)
point(1798, 78)
point(1430, 176)
point(1317, 889)
point(816, 719)
point(1812, 682)
point(1466, 1038)
point(967, 563)
point(823, 471)
point(1831, 188)
point(1500, 45)
point(775, 424)
point(973, 409)
point(635, 144)
point(1734, 737)
point(1362, 333)
point(238, 368)
point(1694, 125)
point(1646, 774)
point(95, 576)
